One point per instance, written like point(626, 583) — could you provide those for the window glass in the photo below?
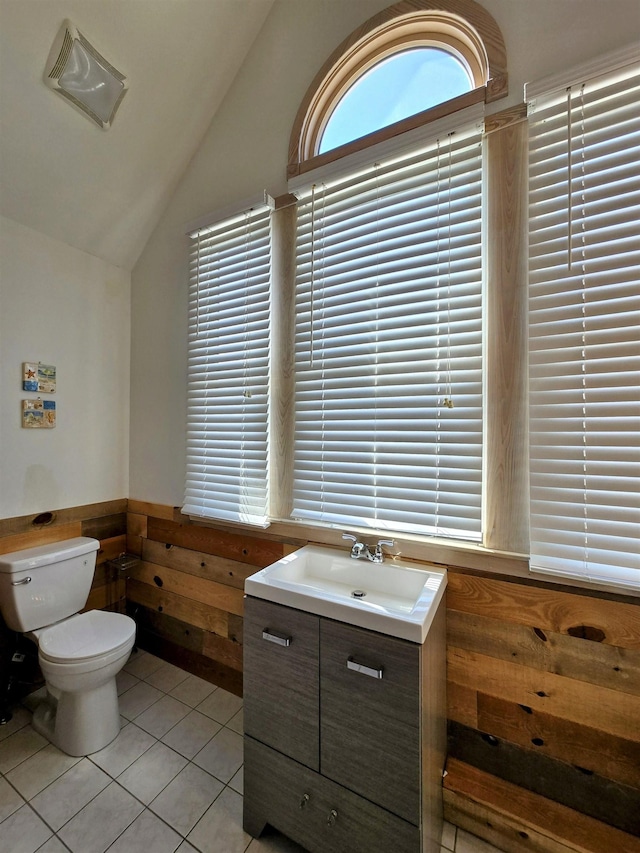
point(399, 86)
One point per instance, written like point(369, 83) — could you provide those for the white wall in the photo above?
point(245, 151)
point(62, 307)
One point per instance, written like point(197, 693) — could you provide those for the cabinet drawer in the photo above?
point(281, 679)
point(370, 729)
point(321, 816)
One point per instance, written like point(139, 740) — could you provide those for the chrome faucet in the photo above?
point(361, 551)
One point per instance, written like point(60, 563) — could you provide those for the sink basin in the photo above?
point(391, 597)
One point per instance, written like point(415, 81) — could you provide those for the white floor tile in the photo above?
point(219, 830)
point(53, 845)
point(191, 734)
point(152, 772)
point(124, 681)
point(186, 798)
point(142, 664)
point(237, 722)
point(20, 718)
point(64, 798)
point(192, 690)
point(162, 716)
point(23, 832)
point(20, 746)
point(222, 756)
point(101, 821)
point(220, 705)
point(137, 699)
point(166, 677)
point(38, 771)
point(147, 834)
point(237, 782)
point(448, 836)
point(185, 847)
point(10, 800)
point(131, 743)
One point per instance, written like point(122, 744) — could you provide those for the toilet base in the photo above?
point(80, 723)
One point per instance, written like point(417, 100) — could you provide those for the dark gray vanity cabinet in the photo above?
point(281, 679)
point(344, 733)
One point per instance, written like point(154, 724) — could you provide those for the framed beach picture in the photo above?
point(38, 414)
point(38, 377)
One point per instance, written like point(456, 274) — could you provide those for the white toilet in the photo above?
point(41, 591)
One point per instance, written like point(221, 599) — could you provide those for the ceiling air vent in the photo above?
point(83, 76)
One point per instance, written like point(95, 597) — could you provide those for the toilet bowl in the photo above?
point(80, 658)
point(42, 591)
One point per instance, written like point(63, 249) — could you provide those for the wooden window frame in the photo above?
point(461, 27)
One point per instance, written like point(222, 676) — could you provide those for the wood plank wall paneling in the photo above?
point(187, 592)
point(544, 697)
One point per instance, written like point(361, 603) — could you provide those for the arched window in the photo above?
point(434, 60)
point(403, 84)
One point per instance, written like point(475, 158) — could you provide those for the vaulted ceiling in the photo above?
point(103, 191)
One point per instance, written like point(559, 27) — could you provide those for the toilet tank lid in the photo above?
point(44, 555)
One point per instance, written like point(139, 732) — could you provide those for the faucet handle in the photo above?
point(350, 536)
point(389, 542)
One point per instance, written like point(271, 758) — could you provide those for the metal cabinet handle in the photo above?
point(365, 670)
point(21, 583)
point(332, 817)
point(274, 637)
point(304, 800)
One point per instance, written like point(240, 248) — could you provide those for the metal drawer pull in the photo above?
point(273, 637)
point(304, 800)
point(21, 583)
point(365, 670)
point(332, 817)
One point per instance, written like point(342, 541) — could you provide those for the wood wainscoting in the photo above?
point(187, 592)
point(543, 715)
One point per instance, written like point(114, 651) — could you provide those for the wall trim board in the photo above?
point(611, 621)
point(198, 563)
point(599, 707)
point(574, 657)
point(583, 791)
point(203, 590)
point(197, 664)
point(517, 820)
point(235, 546)
point(185, 609)
point(24, 523)
point(180, 633)
point(582, 746)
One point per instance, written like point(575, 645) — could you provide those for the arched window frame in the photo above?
point(461, 27)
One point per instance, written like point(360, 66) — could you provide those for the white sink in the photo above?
point(398, 599)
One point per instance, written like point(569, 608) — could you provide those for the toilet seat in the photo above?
point(86, 638)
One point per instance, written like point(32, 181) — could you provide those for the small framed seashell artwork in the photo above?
point(38, 414)
point(39, 377)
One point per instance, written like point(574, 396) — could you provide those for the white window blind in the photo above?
point(388, 345)
point(229, 370)
point(584, 314)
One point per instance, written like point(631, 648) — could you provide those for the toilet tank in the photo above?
point(42, 585)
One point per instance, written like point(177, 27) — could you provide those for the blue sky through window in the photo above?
point(397, 87)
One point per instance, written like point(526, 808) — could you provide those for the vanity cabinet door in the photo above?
point(321, 816)
point(281, 679)
point(370, 727)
